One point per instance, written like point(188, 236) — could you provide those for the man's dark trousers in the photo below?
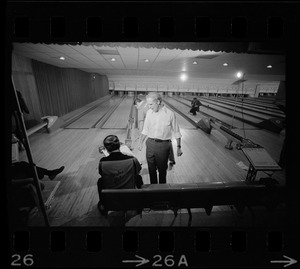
point(157, 154)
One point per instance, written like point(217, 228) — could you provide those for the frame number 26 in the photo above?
point(18, 261)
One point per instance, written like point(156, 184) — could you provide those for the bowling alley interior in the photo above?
point(232, 171)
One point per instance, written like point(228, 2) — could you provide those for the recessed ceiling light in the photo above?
point(225, 64)
point(183, 77)
point(62, 58)
point(195, 62)
point(269, 66)
point(113, 59)
point(146, 61)
point(239, 74)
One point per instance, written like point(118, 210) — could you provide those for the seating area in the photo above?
point(197, 195)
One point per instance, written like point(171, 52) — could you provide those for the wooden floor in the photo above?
point(204, 159)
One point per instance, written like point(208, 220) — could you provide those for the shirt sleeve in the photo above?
point(175, 127)
point(145, 127)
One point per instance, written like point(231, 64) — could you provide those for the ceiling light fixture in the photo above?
point(183, 77)
point(225, 64)
point(195, 62)
point(146, 61)
point(239, 74)
point(62, 58)
point(113, 59)
point(269, 66)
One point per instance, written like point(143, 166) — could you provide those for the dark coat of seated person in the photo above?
point(117, 170)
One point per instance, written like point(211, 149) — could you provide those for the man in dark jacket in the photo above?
point(117, 170)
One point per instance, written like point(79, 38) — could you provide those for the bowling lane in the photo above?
point(241, 108)
point(272, 142)
point(253, 101)
point(89, 119)
point(180, 106)
point(182, 122)
point(230, 120)
point(119, 118)
point(231, 110)
point(257, 108)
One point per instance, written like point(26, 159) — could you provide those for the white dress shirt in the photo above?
point(161, 124)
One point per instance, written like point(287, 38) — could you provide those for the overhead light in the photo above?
point(183, 77)
point(195, 62)
point(225, 64)
point(113, 59)
point(146, 61)
point(269, 66)
point(62, 58)
point(239, 74)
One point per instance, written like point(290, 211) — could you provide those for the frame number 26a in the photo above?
point(169, 261)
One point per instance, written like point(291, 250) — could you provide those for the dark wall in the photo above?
point(52, 91)
point(62, 90)
point(24, 82)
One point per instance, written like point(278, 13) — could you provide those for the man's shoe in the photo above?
point(52, 174)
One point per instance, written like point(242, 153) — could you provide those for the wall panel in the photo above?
point(50, 90)
point(64, 90)
point(25, 83)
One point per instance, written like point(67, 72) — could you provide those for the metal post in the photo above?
point(19, 113)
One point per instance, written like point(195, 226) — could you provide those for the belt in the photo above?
point(159, 140)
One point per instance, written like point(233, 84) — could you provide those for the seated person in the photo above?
point(117, 170)
point(22, 170)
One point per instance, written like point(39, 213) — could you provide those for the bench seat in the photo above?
point(195, 195)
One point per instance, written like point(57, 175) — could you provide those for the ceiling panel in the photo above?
point(130, 61)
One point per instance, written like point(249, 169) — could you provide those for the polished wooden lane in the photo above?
point(185, 106)
point(232, 111)
point(77, 113)
point(90, 118)
point(272, 111)
point(258, 112)
point(119, 117)
point(265, 101)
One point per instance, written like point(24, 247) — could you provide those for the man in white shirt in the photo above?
point(159, 126)
point(142, 109)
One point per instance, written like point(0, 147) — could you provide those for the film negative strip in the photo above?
point(220, 239)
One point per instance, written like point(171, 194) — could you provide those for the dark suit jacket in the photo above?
point(118, 171)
